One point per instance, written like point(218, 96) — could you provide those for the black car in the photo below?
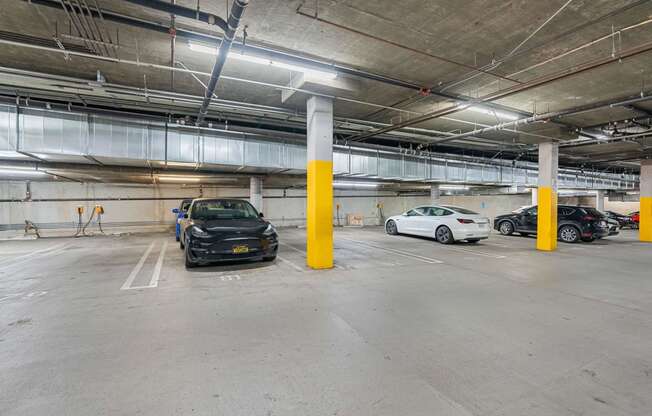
point(573, 223)
point(226, 230)
point(622, 219)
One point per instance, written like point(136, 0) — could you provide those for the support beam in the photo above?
point(645, 225)
point(256, 192)
point(435, 194)
point(599, 200)
point(319, 213)
point(547, 197)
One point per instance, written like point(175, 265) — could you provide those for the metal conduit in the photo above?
point(171, 8)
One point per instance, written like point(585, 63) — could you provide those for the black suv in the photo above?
point(574, 223)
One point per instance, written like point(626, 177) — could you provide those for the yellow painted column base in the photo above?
point(645, 224)
point(547, 219)
point(319, 227)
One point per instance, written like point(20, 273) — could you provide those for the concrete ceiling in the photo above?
point(434, 44)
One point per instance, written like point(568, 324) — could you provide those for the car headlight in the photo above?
point(269, 230)
point(198, 232)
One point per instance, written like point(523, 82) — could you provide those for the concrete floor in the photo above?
point(402, 326)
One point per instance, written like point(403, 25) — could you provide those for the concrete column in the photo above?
point(319, 206)
point(435, 194)
point(599, 200)
point(256, 192)
point(645, 225)
point(547, 197)
point(534, 193)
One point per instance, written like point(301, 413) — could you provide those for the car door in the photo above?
point(529, 220)
point(423, 223)
point(409, 222)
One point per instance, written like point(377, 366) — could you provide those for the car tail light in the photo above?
point(589, 218)
point(464, 221)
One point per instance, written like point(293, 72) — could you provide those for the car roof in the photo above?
point(219, 199)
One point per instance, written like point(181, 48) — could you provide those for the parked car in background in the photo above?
point(636, 218)
point(573, 223)
point(225, 230)
point(183, 208)
point(622, 219)
point(614, 226)
point(446, 224)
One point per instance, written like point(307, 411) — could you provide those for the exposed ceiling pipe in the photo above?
point(549, 116)
point(237, 10)
point(174, 9)
point(506, 92)
point(269, 52)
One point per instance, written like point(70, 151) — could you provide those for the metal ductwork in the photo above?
point(170, 8)
point(237, 10)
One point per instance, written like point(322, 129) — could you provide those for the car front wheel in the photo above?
point(506, 228)
point(569, 234)
point(189, 261)
point(391, 228)
point(444, 235)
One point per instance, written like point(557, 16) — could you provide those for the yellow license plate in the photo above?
point(240, 249)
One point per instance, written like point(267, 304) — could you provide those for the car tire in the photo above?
point(472, 241)
point(189, 263)
point(506, 228)
point(391, 228)
point(569, 234)
point(444, 235)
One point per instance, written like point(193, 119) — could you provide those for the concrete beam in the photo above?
point(256, 192)
point(435, 193)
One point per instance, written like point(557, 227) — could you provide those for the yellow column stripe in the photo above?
point(319, 227)
point(645, 225)
point(547, 219)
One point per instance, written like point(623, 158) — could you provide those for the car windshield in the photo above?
point(462, 210)
point(522, 209)
point(185, 205)
point(223, 209)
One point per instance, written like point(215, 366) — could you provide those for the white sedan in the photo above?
point(444, 223)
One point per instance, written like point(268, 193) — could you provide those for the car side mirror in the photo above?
point(175, 210)
point(260, 214)
point(185, 215)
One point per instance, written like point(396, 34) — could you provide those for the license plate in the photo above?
point(240, 249)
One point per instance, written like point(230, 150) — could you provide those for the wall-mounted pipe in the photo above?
point(237, 10)
point(174, 9)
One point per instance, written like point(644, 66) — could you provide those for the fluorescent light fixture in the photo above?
point(356, 184)
point(452, 187)
point(19, 171)
point(491, 112)
point(198, 47)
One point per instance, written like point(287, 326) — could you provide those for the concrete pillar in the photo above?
point(534, 193)
point(256, 192)
point(319, 212)
point(645, 225)
point(599, 200)
point(435, 194)
point(547, 197)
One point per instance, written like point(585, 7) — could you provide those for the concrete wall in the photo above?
point(590, 201)
point(53, 204)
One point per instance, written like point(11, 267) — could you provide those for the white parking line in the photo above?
point(139, 265)
point(398, 252)
point(159, 265)
point(337, 266)
point(21, 259)
point(291, 263)
point(474, 252)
